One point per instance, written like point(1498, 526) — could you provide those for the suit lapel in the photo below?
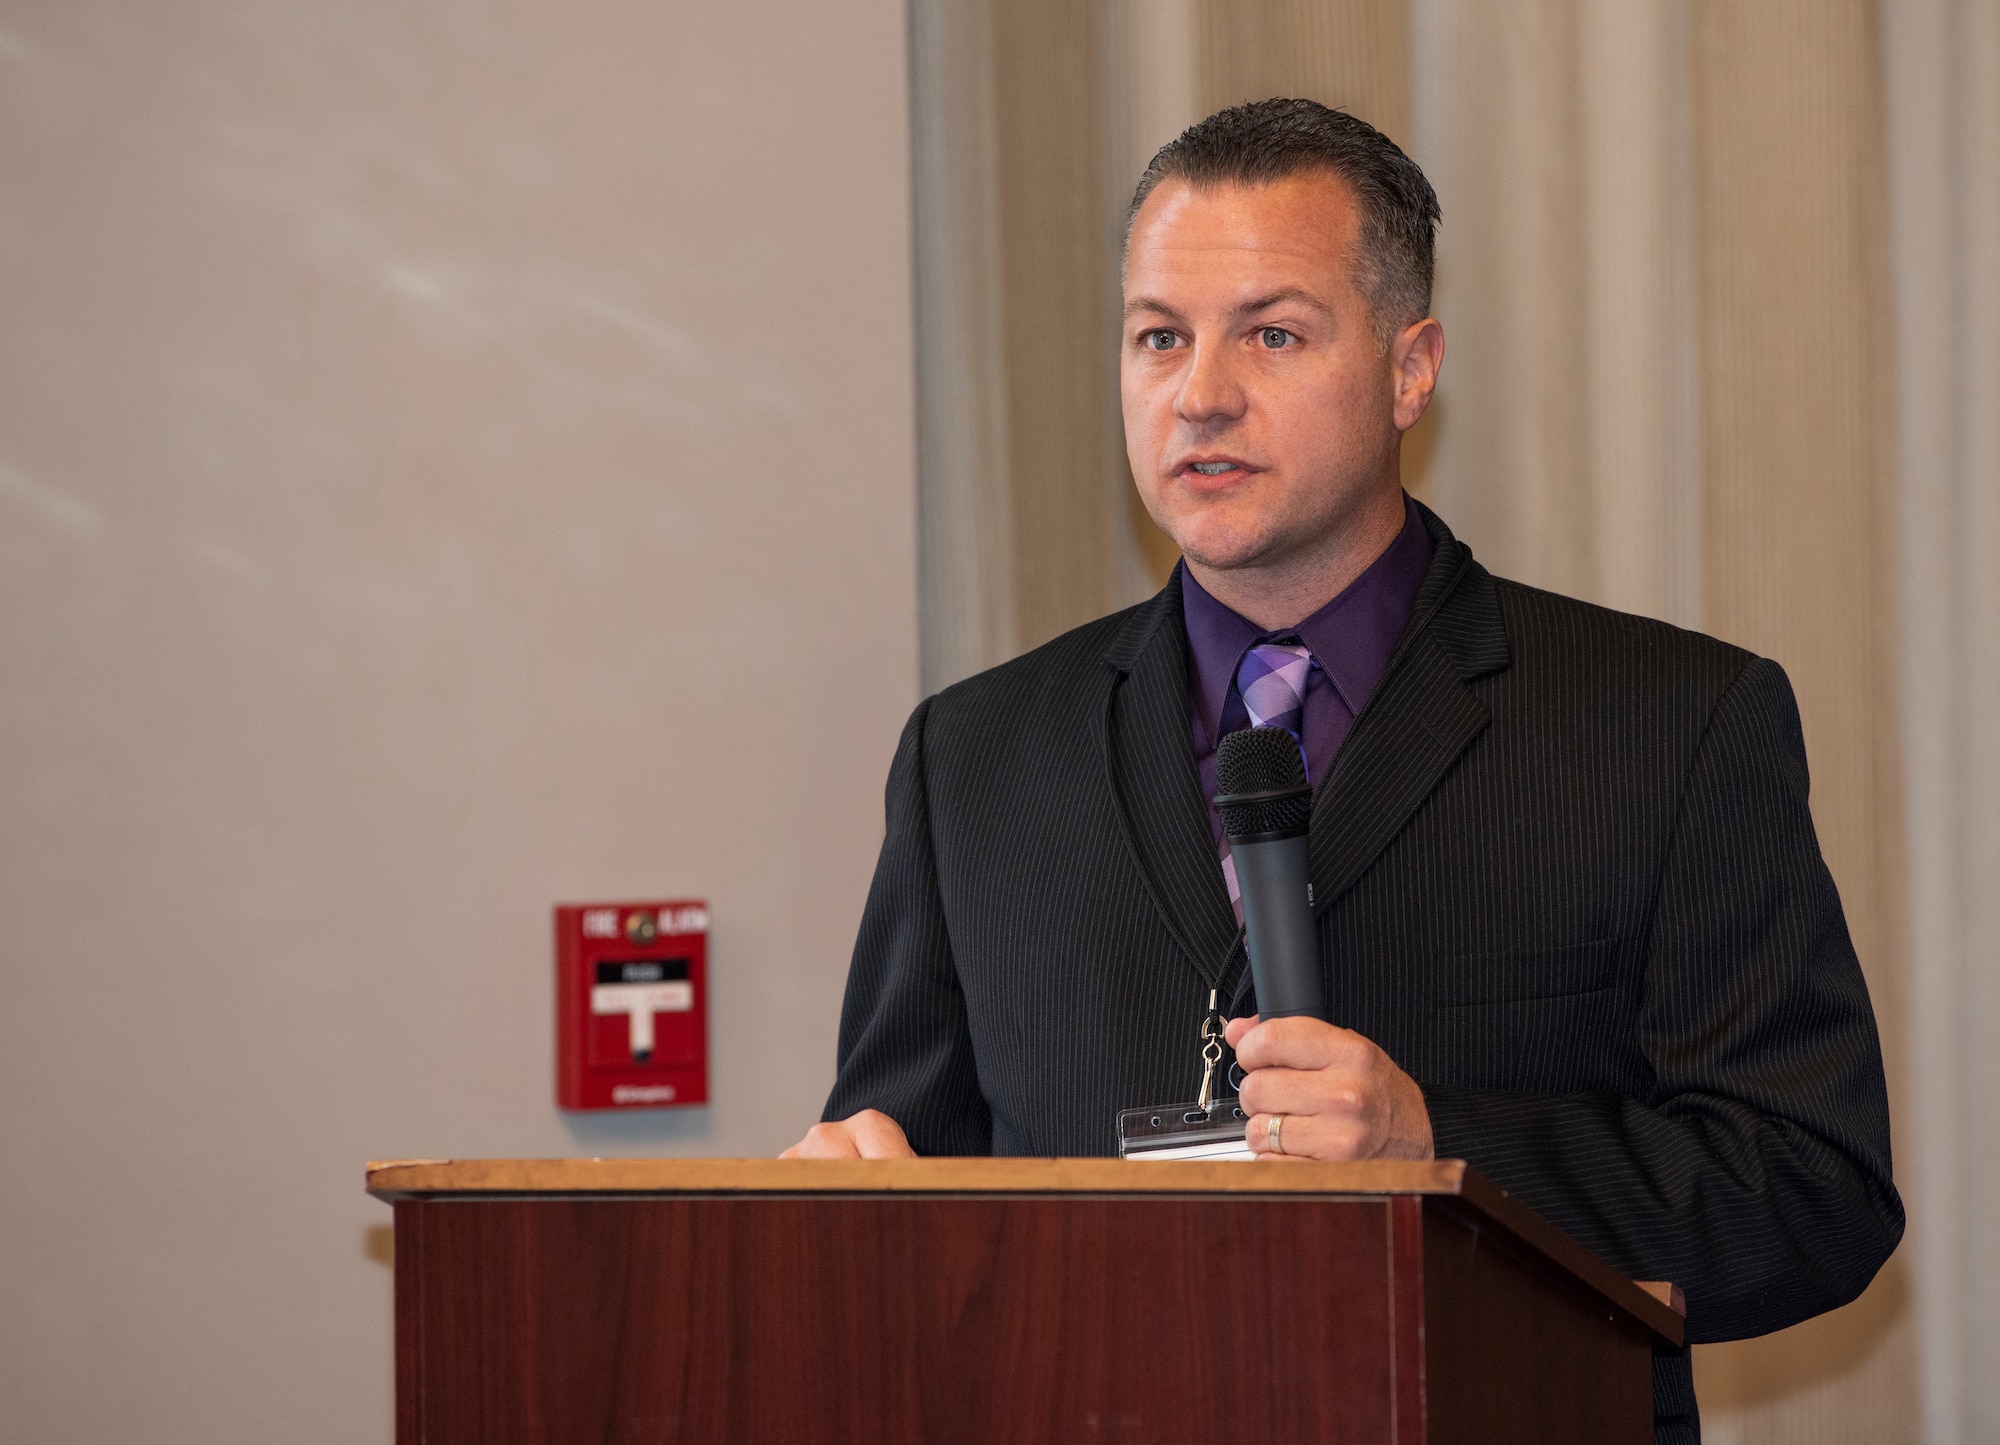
point(1422, 716)
point(1149, 760)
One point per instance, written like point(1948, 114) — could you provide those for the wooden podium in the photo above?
point(946, 1300)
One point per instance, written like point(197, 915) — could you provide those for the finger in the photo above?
point(1338, 1092)
point(1298, 1043)
point(825, 1141)
point(1235, 1029)
point(877, 1136)
point(1304, 1136)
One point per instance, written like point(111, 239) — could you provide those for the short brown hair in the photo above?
point(1272, 140)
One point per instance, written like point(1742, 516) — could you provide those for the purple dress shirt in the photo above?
point(1350, 640)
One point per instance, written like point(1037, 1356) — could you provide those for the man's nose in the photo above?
point(1210, 390)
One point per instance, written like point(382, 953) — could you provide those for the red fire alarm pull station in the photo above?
point(631, 1005)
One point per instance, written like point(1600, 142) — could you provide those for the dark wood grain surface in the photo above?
point(1155, 1319)
point(1002, 1300)
point(1518, 1351)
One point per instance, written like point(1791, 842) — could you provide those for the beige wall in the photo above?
point(453, 458)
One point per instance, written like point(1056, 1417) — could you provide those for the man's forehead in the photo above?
point(1247, 235)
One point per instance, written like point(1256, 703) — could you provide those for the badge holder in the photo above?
point(1184, 1131)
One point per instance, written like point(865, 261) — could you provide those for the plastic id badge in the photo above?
point(1184, 1131)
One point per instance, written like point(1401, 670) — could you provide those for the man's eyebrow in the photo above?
point(1288, 293)
point(1147, 303)
point(1152, 306)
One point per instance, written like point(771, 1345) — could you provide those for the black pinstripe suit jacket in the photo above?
point(1565, 875)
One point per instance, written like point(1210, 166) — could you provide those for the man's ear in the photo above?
point(1415, 357)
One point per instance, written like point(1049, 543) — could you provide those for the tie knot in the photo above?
point(1271, 680)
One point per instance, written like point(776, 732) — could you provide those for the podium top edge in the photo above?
point(392, 1179)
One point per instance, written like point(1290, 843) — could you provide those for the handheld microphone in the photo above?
point(1266, 807)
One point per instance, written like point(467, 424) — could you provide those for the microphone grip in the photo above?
point(1278, 924)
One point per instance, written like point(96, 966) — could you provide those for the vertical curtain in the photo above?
point(1798, 555)
point(1943, 108)
point(965, 534)
point(1720, 282)
point(1022, 514)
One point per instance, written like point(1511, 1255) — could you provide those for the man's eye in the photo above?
point(1276, 337)
point(1159, 341)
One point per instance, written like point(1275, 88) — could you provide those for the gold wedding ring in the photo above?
point(1274, 1134)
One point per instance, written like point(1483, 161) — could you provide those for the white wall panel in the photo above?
point(453, 458)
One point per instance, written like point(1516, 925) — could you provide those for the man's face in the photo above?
point(1261, 415)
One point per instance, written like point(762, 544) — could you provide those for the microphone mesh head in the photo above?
point(1262, 760)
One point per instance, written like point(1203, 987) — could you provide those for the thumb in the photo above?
point(1235, 1029)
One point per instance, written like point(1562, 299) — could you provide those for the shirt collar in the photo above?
point(1351, 637)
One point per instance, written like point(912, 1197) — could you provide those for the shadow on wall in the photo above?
point(625, 1130)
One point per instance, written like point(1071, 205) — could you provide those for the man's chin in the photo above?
point(1250, 539)
point(1229, 552)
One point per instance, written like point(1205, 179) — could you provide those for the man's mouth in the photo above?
point(1214, 466)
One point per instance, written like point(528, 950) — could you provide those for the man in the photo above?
point(1572, 914)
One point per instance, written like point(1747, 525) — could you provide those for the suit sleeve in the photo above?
point(905, 1047)
point(1756, 1172)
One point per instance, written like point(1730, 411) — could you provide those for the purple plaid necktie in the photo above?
point(1270, 691)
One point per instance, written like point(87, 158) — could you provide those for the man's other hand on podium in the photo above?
point(1334, 1093)
point(870, 1134)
